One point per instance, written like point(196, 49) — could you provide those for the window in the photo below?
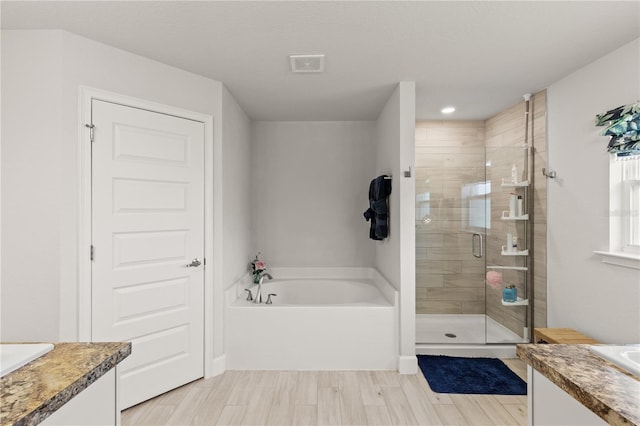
point(476, 217)
point(624, 214)
point(423, 205)
point(623, 128)
point(630, 204)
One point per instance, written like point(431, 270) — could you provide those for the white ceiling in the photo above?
point(480, 56)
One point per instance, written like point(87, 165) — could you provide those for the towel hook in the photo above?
point(550, 174)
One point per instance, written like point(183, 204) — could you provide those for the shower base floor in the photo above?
point(463, 329)
point(433, 336)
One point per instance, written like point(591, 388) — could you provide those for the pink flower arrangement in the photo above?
point(257, 267)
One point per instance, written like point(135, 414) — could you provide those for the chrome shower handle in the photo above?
point(477, 253)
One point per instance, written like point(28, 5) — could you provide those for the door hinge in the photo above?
point(91, 127)
point(92, 253)
point(204, 261)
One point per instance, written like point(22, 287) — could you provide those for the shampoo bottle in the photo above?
point(510, 293)
point(519, 211)
point(514, 173)
point(513, 205)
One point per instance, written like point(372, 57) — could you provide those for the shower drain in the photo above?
point(453, 336)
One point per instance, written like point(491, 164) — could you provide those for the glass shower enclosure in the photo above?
point(472, 237)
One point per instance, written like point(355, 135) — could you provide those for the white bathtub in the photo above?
point(14, 356)
point(626, 357)
point(321, 319)
point(325, 292)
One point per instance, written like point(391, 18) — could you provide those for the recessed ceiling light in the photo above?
point(447, 110)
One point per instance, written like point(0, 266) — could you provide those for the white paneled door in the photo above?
point(148, 245)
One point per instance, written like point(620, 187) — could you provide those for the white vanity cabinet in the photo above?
point(569, 385)
point(94, 406)
point(551, 406)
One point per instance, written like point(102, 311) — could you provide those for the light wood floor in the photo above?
point(325, 398)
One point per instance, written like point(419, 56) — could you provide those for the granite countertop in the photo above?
point(610, 392)
point(32, 393)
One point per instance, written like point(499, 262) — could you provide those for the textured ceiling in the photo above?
point(480, 56)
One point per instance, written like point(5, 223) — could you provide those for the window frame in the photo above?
point(629, 213)
point(621, 252)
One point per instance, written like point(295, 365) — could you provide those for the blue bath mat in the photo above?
point(447, 374)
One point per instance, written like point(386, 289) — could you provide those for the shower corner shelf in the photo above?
point(523, 217)
point(515, 253)
point(509, 184)
point(519, 302)
point(513, 268)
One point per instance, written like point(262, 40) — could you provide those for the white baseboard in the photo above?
point(218, 366)
point(408, 364)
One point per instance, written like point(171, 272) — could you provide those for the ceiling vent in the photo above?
point(307, 63)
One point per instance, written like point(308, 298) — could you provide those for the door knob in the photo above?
point(194, 263)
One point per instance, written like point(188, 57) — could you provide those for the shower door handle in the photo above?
point(475, 239)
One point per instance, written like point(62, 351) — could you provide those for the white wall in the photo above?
point(598, 299)
point(235, 211)
point(395, 256)
point(310, 184)
point(236, 180)
point(41, 72)
point(388, 163)
point(31, 182)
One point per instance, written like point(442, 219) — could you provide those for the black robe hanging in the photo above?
point(378, 211)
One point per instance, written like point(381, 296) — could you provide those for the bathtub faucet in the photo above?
point(258, 298)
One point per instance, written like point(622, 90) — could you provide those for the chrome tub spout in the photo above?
point(258, 297)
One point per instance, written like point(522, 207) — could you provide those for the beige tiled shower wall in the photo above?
point(450, 155)
point(504, 142)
